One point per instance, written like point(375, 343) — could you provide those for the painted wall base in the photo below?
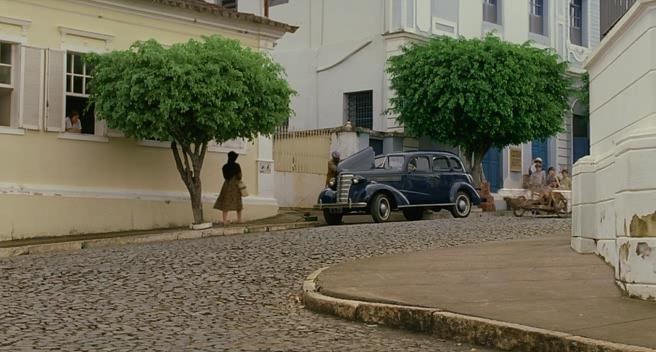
point(583, 245)
point(32, 216)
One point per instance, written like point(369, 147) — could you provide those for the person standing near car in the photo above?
point(332, 166)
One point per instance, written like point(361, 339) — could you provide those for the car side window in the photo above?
point(380, 162)
point(420, 164)
point(456, 165)
point(441, 163)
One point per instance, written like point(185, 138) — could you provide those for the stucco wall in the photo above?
point(614, 212)
point(52, 185)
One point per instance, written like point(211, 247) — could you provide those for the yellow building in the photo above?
point(54, 183)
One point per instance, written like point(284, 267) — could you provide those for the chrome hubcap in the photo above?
point(462, 205)
point(384, 208)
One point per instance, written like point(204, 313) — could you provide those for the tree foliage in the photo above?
point(190, 94)
point(478, 93)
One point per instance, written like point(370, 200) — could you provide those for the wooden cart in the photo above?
point(538, 203)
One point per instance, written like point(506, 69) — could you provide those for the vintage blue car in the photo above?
point(411, 182)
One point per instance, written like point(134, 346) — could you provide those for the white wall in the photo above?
point(614, 212)
point(342, 46)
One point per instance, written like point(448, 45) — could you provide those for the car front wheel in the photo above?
point(332, 218)
point(463, 205)
point(381, 208)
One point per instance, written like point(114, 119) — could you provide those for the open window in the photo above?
point(456, 165)
point(419, 164)
point(78, 76)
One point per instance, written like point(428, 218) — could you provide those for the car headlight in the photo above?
point(355, 181)
point(358, 179)
point(331, 183)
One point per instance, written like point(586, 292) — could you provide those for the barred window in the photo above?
point(359, 108)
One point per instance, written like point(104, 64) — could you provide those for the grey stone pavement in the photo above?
point(539, 283)
point(237, 293)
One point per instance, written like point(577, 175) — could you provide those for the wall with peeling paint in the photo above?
point(614, 189)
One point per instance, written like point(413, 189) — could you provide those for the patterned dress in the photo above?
point(230, 196)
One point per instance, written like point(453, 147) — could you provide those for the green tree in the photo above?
point(478, 93)
point(190, 94)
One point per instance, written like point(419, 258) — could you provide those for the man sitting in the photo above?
point(565, 180)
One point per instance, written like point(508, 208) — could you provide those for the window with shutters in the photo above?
point(6, 83)
point(78, 76)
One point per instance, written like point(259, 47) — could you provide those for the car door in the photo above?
point(442, 173)
point(418, 180)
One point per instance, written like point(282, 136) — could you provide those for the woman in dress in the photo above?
point(230, 196)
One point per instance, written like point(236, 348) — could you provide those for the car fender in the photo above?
point(374, 188)
point(327, 196)
point(466, 187)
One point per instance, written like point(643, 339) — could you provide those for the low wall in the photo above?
point(33, 216)
point(298, 190)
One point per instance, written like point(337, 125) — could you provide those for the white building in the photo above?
point(336, 61)
point(614, 208)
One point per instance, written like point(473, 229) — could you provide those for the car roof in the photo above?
point(423, 152)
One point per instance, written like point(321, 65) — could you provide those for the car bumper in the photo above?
point(340, 205)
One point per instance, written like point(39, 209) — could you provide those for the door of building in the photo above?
point(540, 148)
point(492, 169)
point(581, 133)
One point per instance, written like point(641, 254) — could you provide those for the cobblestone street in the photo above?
point(237, 293)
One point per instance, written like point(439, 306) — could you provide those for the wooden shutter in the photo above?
point(16, 83)
point(56, 91)
point(31, 107)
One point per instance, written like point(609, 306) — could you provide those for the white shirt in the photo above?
point(77, 125)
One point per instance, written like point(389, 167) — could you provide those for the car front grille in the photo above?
point(343, 188)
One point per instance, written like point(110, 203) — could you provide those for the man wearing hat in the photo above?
point(332, 166)
point(536, 162)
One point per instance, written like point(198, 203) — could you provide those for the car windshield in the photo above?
point(395, 162)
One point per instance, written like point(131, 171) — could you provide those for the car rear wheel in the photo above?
point(381, 208)
point(332, 218)
point(413, 214)
point(463, 205)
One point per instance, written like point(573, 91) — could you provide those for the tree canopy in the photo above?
point(190, 94)
point(479, 93)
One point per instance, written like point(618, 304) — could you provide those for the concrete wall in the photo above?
point(55, 184)
point(614, 212)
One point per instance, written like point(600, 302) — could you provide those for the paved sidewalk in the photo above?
point(287, 219)
point(536, 283)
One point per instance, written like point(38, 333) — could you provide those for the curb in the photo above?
point(458, 327)
point(148, 238)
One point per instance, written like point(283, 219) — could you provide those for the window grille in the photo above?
point(359, 109)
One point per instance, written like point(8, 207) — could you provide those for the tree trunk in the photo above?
point(189, 164)
point(474, 161)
